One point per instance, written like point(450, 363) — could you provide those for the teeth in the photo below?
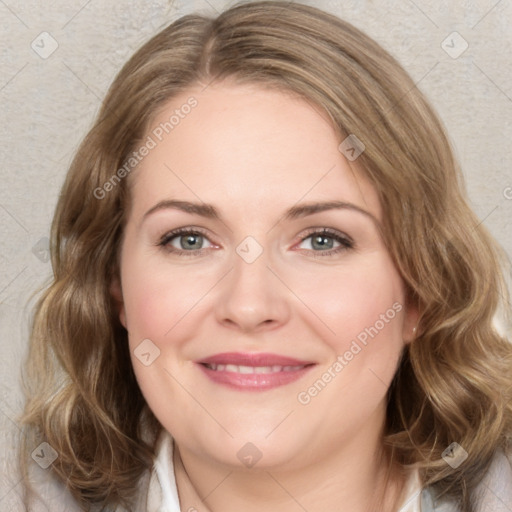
point(252, 369)
point(262, 369)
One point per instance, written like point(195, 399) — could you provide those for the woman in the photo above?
point(269, 290)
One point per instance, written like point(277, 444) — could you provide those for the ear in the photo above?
point(116, 293)
point(410, 325)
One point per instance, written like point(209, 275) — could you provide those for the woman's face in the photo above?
point(265, 315)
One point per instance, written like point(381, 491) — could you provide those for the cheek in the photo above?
point(364, 312)
point(157, 300)
point(357, 303)
point(362, 308)
point(154, 307)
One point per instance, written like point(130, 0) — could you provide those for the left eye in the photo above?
point(324, 241)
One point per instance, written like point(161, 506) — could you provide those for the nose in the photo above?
point(251, 297)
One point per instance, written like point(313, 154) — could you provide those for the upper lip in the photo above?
point(253, 359)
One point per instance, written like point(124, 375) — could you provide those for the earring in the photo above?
point(414, 330)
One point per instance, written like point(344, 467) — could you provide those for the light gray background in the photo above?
point(49, 102)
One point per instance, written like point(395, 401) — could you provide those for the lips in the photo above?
point(253, 372)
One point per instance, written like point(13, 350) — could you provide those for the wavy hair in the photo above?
point(454, 380)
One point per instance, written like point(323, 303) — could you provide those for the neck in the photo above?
point(358, 478)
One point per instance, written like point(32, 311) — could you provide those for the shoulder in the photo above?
point(46, 494)
point(494, 493)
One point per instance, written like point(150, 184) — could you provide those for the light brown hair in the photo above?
point(454, 380)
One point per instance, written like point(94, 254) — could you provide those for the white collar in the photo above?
point(163, 491)
point(412, 497)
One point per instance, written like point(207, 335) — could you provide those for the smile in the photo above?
point(252, 369)
point(253, 372)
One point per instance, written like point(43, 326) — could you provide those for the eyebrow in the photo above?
point(298, 211)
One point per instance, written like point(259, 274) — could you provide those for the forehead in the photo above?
point(248, 146)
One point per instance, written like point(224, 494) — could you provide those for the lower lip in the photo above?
point(254, 381)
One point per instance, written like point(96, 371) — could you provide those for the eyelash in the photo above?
point(345, 241)
point(166, 239)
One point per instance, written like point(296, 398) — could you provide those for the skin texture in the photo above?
point(253, 153)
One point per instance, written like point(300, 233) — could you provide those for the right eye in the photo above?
point(184, 242)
